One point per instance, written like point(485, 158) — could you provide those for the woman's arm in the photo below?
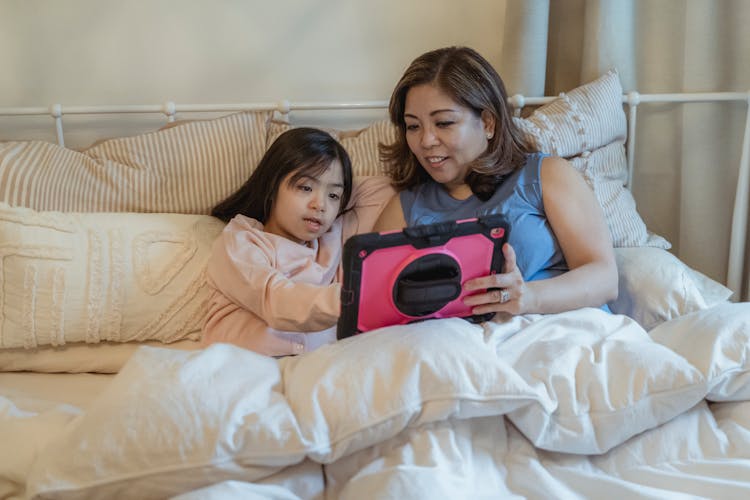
point(370, 195)
point(578, 223)
point(392, 216)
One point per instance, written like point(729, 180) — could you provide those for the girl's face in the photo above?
point(304, 211)
point(445, 136)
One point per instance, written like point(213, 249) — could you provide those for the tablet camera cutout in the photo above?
point(427, 284)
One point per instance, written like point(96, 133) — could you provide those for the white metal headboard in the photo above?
point(632, 100)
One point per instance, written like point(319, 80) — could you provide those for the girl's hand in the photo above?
point(506, 292)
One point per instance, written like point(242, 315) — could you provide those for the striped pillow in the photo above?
point(362, 145)
point(587, 126)
point(187, 168)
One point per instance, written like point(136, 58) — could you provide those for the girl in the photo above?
point(273, 268)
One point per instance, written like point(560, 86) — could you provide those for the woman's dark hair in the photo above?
point(470, 80)
point(306, 152)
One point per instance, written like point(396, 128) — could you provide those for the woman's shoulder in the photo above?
point(556, 168)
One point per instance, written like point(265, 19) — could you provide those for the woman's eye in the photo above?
point(444, 124)
point(411, 126)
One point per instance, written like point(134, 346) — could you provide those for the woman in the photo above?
point(458, 155)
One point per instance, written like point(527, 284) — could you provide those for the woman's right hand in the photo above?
point(505, 292)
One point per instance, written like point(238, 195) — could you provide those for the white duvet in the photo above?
point(580, 404)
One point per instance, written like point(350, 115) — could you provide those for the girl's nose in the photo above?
point(318, 201)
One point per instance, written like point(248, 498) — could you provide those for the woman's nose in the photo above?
point(428, 138)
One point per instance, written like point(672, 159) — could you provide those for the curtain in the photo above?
point(689, 155)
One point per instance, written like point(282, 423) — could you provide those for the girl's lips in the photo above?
point(312, 223)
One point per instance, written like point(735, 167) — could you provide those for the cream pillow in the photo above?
point(655, 286)
point(119, 277)
point(362, 145)
point(187, 168)
point(588, 127)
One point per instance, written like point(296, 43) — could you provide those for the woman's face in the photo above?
point(445, 136)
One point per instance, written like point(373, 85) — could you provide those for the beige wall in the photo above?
point(199, 51)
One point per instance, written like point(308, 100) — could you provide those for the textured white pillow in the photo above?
point(717, 342)
point(655, 286)
point(588, 127)
point(92, 277)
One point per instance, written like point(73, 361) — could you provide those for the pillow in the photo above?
point(187, 168)
point(717, 342)
point(655, 286)
point(362, 145)
point(588, 127)
point(712, 291)
point(118, 277)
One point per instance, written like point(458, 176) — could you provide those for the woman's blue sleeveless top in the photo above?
point(518, 198)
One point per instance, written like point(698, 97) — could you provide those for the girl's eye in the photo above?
point(334, 196)
point(444, 124)
point(411, 126)
point(304, 187)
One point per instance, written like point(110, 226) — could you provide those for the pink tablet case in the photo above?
point(416, 274)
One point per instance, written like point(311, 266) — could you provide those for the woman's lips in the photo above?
point(436, 161)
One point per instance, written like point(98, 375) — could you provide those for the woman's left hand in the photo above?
point(505, 292)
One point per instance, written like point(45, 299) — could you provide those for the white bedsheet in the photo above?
point(581, 404)
point(34, 407)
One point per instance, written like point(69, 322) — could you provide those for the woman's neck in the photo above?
point(459, 191)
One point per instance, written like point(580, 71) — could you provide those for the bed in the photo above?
point(104, 392)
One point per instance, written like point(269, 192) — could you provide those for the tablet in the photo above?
point(399, 277)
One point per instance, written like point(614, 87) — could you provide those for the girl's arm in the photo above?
point(578, 223)
point(242, 268)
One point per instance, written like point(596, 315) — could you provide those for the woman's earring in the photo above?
point(489, 135)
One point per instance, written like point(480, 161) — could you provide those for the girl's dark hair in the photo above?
point(470, 80)
point(306, 152)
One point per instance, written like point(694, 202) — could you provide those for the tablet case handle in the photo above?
point(427, 284)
